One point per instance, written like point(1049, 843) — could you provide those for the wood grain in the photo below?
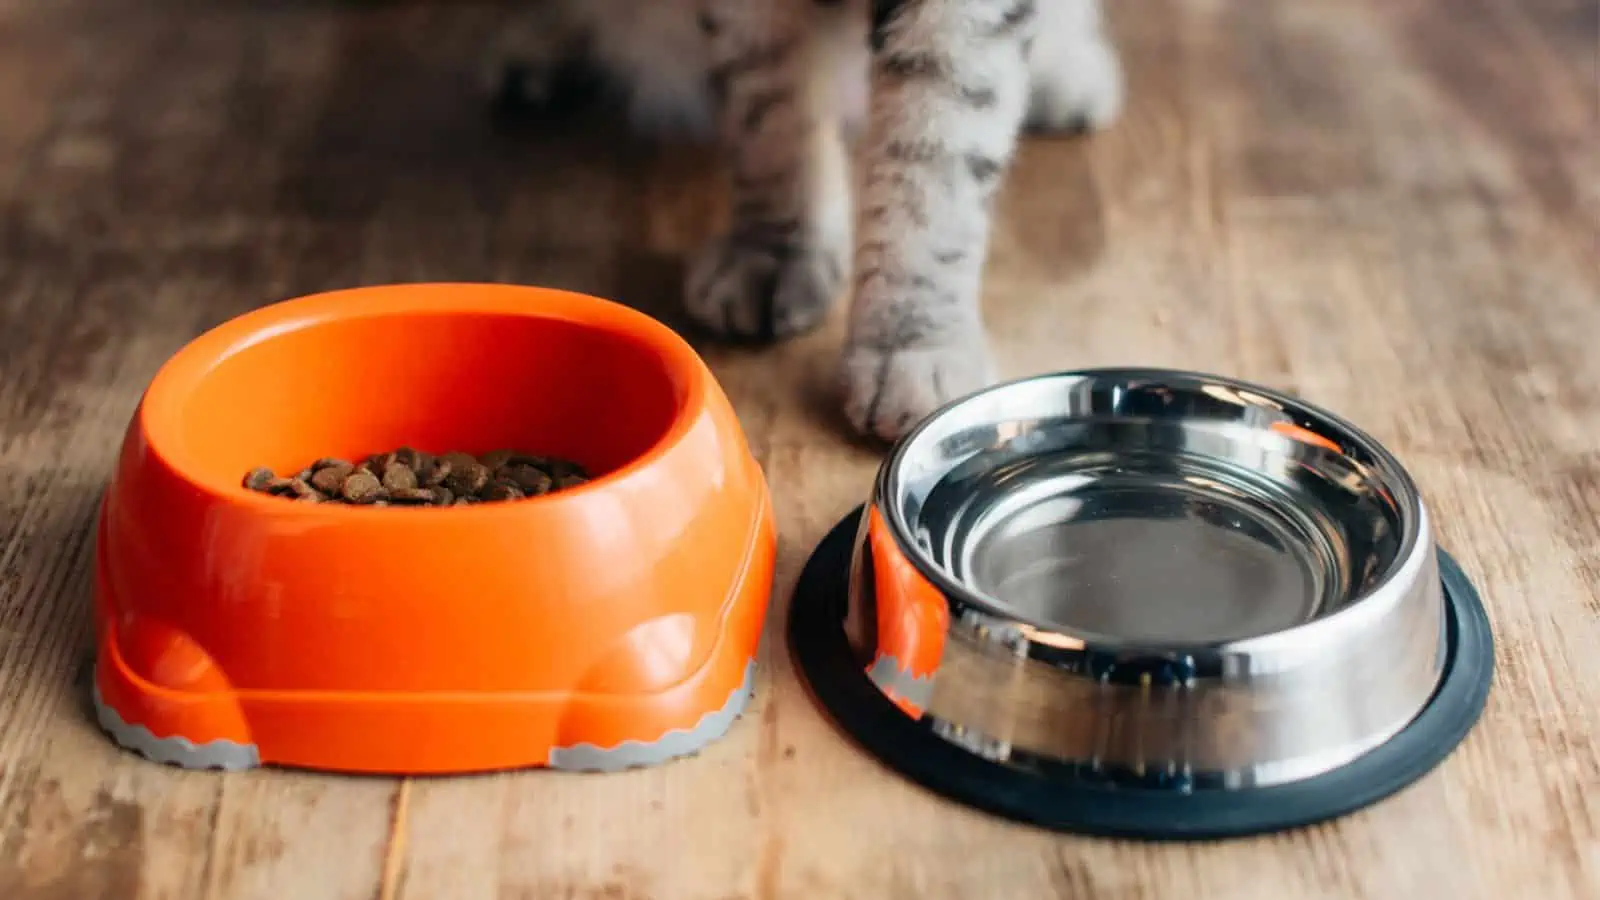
point(1389, 206)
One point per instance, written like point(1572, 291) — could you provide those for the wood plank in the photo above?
point(1389, 207)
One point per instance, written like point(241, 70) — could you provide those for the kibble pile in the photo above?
point(408, 477)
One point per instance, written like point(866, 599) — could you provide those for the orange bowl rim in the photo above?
point(163, 401)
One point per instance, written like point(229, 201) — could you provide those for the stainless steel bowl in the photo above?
point(1161, 577)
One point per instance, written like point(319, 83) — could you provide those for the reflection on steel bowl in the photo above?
point(1159, 577)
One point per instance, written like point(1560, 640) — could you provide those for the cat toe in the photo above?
point(888, 391)
point(764, 291)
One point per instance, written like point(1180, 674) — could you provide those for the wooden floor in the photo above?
point(1389, 206)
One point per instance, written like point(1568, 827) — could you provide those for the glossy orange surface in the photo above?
point(913, 616)
point(432, 639)
point(1304, 435)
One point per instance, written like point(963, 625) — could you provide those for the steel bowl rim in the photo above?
point(1393, 586)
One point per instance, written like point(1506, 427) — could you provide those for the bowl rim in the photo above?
point(1393, 588)
point(163, 400)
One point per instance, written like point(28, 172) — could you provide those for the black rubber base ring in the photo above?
point(839, 683)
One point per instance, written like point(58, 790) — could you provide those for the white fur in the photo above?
point(916, 338)
point(1076, 76)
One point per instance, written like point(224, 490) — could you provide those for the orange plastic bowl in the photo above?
point(606, 626)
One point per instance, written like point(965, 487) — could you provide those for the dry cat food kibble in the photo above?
point(408, 477)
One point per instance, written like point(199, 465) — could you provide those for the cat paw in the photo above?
point(763, 290)
point(1076, 86)
point(887, 392)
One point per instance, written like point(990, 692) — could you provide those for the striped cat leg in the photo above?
point(782, 261)
point(949, 89)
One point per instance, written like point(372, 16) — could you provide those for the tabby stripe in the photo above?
point(762, 56)
point(1020, 13)
point(983, 168)
point(765, 102)
point(914, 319)
point(929, 66)
point(882, 248)
point(835, 273)
point(977, 97)
point(914, 65)
point(884, 13)
point(915, 323)
point(915, 151)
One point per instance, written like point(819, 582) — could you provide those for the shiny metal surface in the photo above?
point(1155, 575)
